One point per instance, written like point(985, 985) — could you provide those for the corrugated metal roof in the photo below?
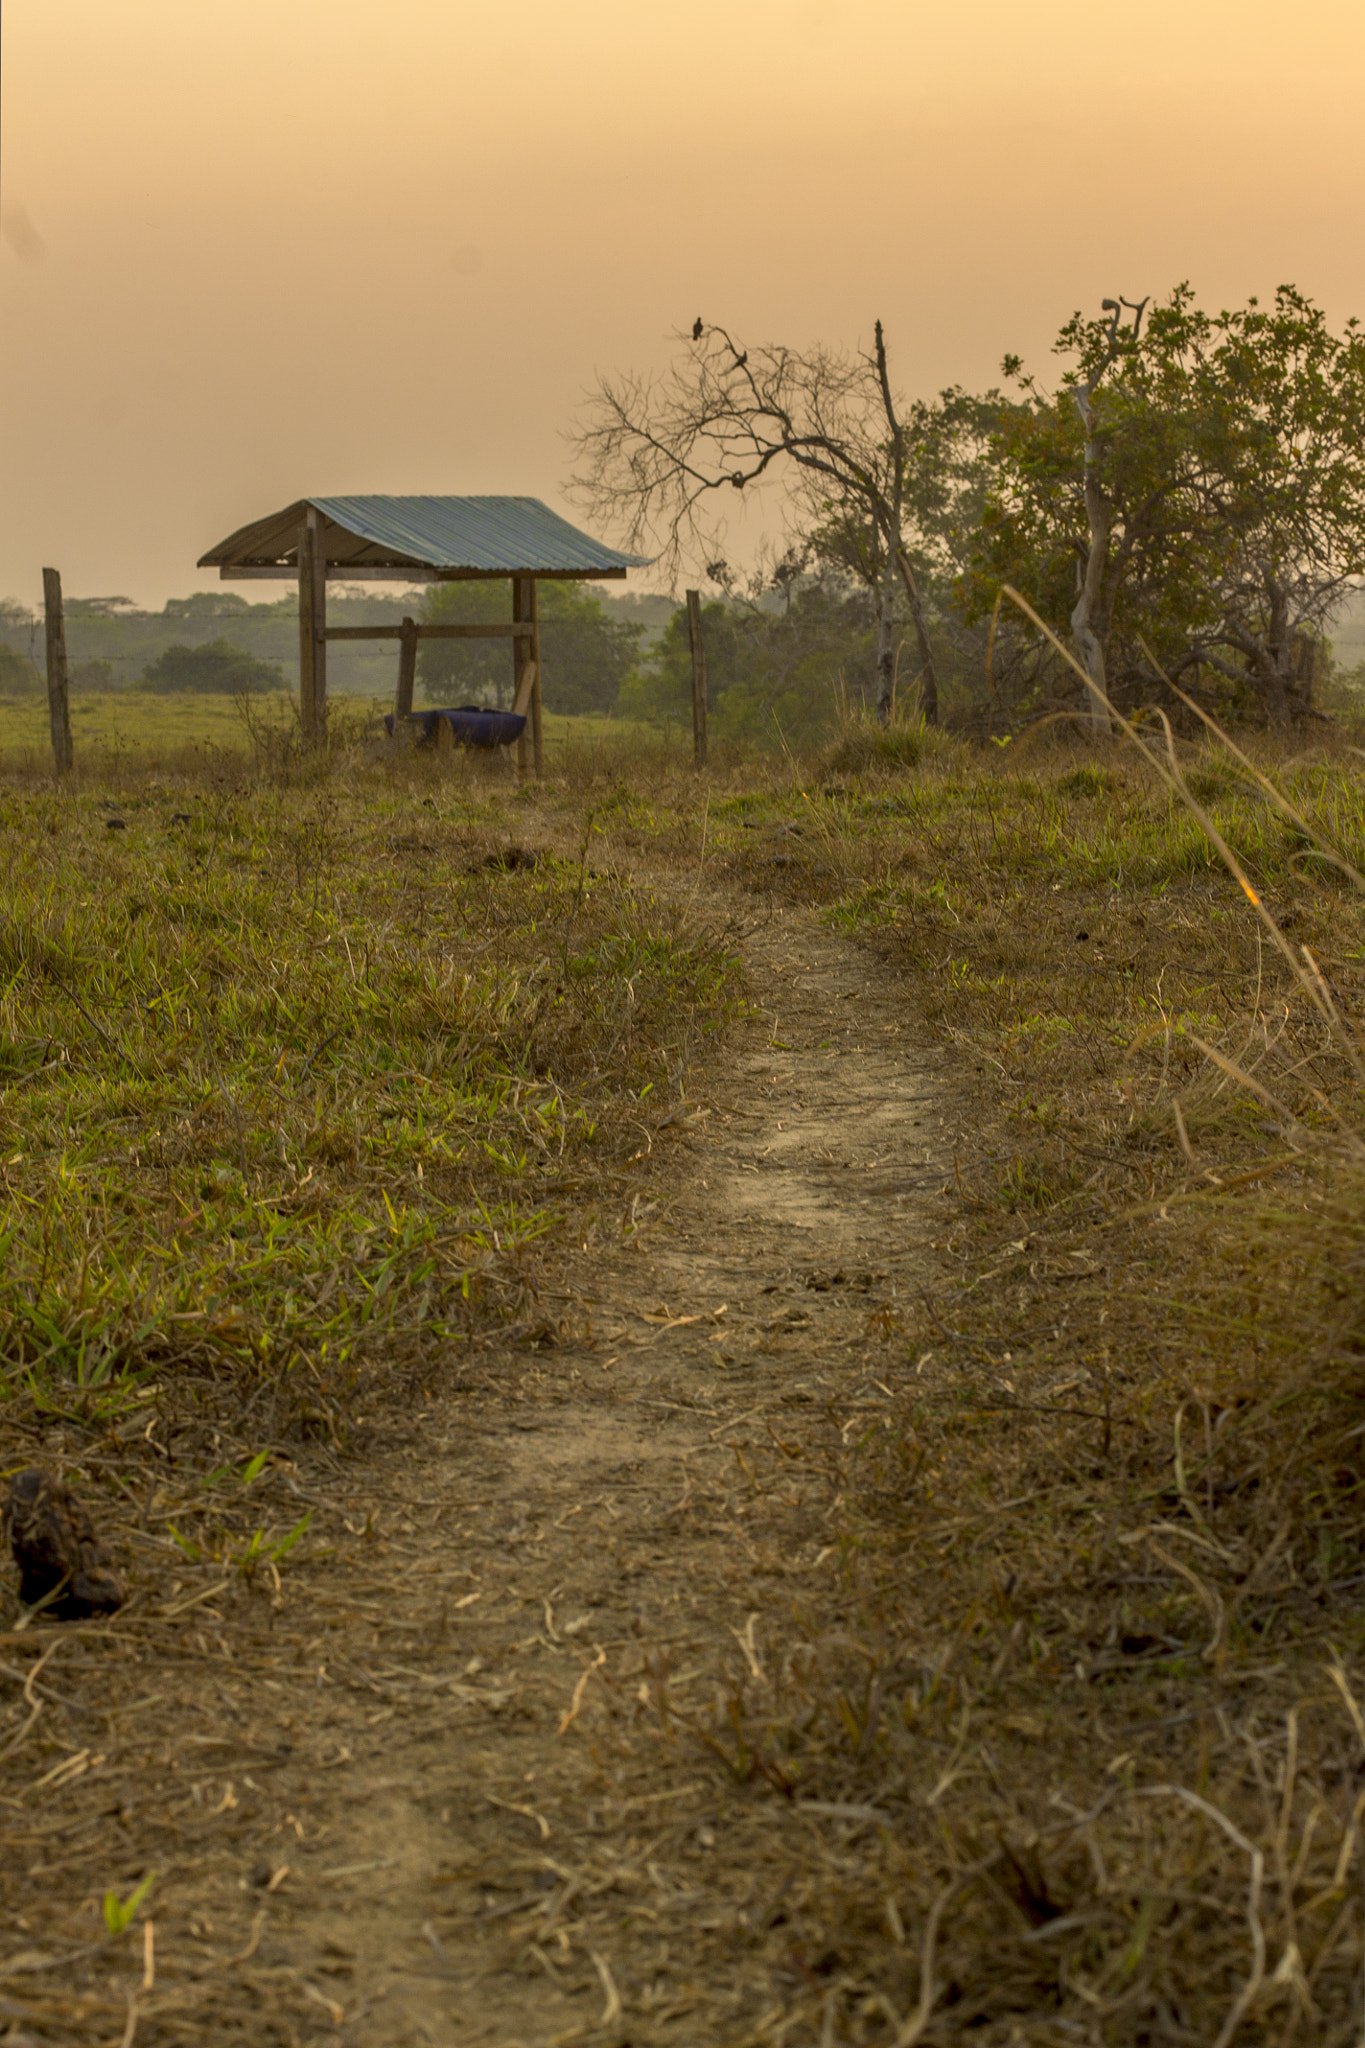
point(470, 536)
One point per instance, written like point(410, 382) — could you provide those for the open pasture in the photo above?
point(183, 731)
point(731, 1403)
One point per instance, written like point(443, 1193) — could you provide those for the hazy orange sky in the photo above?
point(252, 253)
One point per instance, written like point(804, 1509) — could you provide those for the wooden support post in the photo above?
point(319, 625)
point(407, 672)
point(312, 628)
point(537, 722)
point(526, 675)
point(58, 699)
point(698, 645)
point(307, 635)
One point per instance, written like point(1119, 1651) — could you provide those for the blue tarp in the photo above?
point(473, 725)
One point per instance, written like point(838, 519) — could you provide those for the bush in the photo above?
point(883, 747)
point(217, 666)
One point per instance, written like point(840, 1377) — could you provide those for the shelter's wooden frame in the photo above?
point(523, 629)
point(312, 572)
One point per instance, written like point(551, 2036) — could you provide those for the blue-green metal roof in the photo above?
point(450, 536)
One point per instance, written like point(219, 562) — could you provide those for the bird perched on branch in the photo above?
point(698, 328)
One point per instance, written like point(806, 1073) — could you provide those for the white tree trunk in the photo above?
point(1085, 617)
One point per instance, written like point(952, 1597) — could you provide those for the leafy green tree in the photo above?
point(585, 655)
point(217, 666)
point(1197, 483)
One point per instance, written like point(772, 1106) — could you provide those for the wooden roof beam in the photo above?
point(342, 572)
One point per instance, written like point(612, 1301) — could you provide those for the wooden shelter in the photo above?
point(417, 540)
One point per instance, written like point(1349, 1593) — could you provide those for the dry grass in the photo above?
point(1106, 1557)
point(1063, 1741)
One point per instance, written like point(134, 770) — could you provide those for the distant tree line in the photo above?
point(112, 644)
point(591, 644)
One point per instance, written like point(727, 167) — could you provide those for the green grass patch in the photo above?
point(296, 1083)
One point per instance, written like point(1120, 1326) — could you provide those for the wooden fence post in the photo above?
point(537, 721)
point(698, 678)
point(58, 698)
point(407, 673)
point(526, 674)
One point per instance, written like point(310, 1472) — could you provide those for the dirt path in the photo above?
point(491, 1815)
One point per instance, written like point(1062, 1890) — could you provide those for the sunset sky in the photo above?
point(252, 254)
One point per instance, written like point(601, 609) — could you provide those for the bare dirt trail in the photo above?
point(467, 1819)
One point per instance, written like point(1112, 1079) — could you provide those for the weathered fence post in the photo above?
point(698, 678)
point(526, 674)
point(58, 697)
point(537, 721)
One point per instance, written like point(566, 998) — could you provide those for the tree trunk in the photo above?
point(1086, 618)
point(1280, 647)
point(928, 686)
point(1307, 652)
point(886, 651)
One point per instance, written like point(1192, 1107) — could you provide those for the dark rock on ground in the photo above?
point(53, 1542)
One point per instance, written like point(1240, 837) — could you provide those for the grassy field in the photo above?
point(312, 1077)
point(175, 731)
point(293, 1083)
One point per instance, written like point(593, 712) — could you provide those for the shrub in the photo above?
point(217, 666)
point(884, 748)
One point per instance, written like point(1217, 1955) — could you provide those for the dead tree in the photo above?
point(657, 455)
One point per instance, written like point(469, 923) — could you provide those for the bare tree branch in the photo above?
point(656, 456)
